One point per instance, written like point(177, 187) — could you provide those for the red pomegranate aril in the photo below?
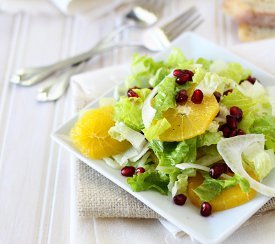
point(181, 80)
point(217, 96)
point(128, 171)
point(217, 170)
point(233, 133)
point(227, 92)
point(179, 199)
point(140, 170)
point(181, 97)
point(240, 132)
point(178, 72)
point(206, 209)
point(251, 79)
point(226, 130)
point(131, 93)
point(197, 96)
point(231, 121)
point(236, 112)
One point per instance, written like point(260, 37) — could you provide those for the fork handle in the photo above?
point(31, 76)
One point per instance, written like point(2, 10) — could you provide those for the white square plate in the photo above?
point(219, 225)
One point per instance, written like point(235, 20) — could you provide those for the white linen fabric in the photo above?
point(36, 7)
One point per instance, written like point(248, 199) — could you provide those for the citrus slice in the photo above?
point(90, 134)
point(229, 198)
point(190, 120)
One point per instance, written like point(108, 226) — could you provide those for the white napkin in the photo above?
point(93, 7)
point(81, 6)
point(256, 52)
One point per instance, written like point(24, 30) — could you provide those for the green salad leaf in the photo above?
point(143, 68)
point(155, 130)
point(211, 188)
point(149, 180)
point(128, 111)
point(165, 97)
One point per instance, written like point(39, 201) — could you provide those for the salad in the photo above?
point(202, 130)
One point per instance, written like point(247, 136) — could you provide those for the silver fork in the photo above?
point(144, 14)
point(154, 39)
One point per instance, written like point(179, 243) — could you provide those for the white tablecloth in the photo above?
point(35, 192)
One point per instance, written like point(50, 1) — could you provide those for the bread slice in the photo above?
point(253, 33)
point(251, 12)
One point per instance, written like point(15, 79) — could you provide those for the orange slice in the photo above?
point(229, 198)
point(90, 134)
point(190, 120)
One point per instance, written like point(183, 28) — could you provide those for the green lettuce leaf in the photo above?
point(143, 68)
point(172, 153)
point(205, 63)
point(142, 93)
point(156, 129)
point(234, 71)
point(211, 188)
point(265, 125)
point(128, 111)
point(236, 98)
point(149, 180)
point(199, 75)
point(159, 76)
point(176, 58)
point(208, 138)
point(165, 98)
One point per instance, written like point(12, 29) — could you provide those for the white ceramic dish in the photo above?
point(219, 225)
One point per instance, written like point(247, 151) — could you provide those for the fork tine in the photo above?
point(192, 21)
point(196, 24)
point(170, 26)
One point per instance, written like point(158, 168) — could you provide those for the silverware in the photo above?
point(143, 15)
point(154, 39)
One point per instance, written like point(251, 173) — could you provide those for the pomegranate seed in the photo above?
point(179, 199)
point(236, 112)
point(217, 170)
point(131, 93)
point(225, 130)
point(206, 209)
point(181, 97)
point(217, 96)
point(140, 170)
point(227, 92)
point(229, 170)
point(197, 96)
point(178, 72)
point(251, 79)
point(183, 76)
point(232, 121)
point(233, 133)
point(128, 171)
point(240, 132)
point(181, 80)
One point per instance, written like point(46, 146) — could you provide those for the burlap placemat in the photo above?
point(99, 197)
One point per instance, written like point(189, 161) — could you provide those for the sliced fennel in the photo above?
point(184, 166)
point(231, 150)
point(122, 132)
point(147, 111)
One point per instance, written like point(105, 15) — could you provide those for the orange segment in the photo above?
point(190, 120)
point(229, 198)
point(90, 134)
